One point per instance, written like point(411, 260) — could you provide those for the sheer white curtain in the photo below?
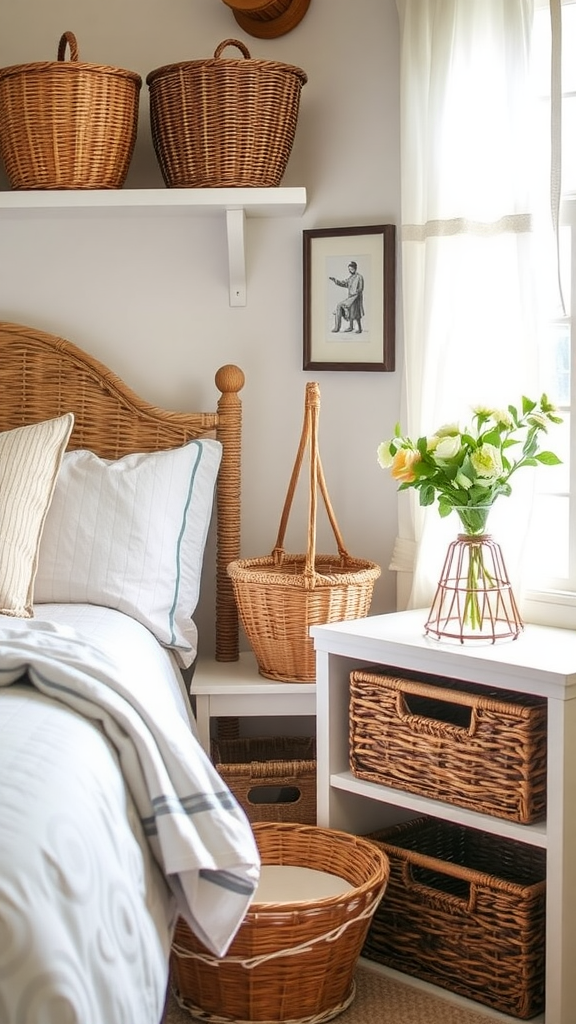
point(469, 315)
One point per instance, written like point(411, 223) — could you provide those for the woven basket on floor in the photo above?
point(66, 124)
point(280, 596)
point(224, 122)
point(291, 961)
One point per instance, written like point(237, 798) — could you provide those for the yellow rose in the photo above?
point(403, 463)
point(538, 419)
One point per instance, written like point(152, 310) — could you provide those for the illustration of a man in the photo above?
point(352, 307)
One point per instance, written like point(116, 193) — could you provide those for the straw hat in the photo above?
point(268, 19)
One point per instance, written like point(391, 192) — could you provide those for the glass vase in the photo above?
point(474, 599)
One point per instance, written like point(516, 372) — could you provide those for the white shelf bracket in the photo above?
point(235, 221)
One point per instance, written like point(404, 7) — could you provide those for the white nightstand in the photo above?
point(542, 661)
point(232, 689)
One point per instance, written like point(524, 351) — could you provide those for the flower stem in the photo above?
point(478, 580)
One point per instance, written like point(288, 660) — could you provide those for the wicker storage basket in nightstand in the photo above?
point(273, 778)
point(451, 741)
point(464, 910)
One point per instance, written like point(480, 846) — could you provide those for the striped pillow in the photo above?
point(130, 534)
point(30, 458)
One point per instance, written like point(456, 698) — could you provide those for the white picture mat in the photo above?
point(330, 257)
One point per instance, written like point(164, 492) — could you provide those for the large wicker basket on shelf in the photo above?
point(224, 122)
point(290, 961)
point(66, 124)
point(281, 595)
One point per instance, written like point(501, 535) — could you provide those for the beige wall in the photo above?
point(149, 295)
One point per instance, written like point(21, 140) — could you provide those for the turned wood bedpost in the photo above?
point(229, 381)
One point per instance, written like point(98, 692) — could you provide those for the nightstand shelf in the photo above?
point(230, 689)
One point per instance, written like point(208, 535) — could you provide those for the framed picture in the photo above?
point(350, 298)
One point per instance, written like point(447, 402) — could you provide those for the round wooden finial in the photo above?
point(268, 19)
point(229, 379)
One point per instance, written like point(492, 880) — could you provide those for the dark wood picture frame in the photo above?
point(350, 298)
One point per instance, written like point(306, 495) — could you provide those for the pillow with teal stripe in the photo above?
point(130, 534)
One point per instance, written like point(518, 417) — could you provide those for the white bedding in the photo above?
point(95, 754)
point(126, 640)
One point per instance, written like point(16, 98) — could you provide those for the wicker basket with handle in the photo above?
point(280, 596)
point(464, 910)
point(67, 125)
point(449, 740)
point(224, 122)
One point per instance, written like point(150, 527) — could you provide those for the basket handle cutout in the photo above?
point(68, 39)
point(418, 706)
point(274, 795)
point(438, 888)
point(232, 42)
point(309, 439)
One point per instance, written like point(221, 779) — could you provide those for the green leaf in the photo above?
point(480, 495)
point(427, 493)
point(492, 437)
point(530, 445)
point(422, 470)
point(514, 413)
point(549, 459)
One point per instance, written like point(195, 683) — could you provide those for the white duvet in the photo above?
point(112, 821)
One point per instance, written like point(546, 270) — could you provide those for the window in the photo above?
point(552, 569)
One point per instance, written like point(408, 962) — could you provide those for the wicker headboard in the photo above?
point(43, 376)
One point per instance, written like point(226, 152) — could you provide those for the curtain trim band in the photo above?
point(512, 224)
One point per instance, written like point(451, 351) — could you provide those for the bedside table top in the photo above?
point(542, 660)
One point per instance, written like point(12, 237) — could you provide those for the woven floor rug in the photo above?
point(381, 1000)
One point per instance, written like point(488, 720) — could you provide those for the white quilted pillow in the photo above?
point(130, 534)
point(30, 457)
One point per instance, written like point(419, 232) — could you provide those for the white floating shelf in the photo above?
point(234, 203)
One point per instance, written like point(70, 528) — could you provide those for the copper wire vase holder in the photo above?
point(499, 618)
